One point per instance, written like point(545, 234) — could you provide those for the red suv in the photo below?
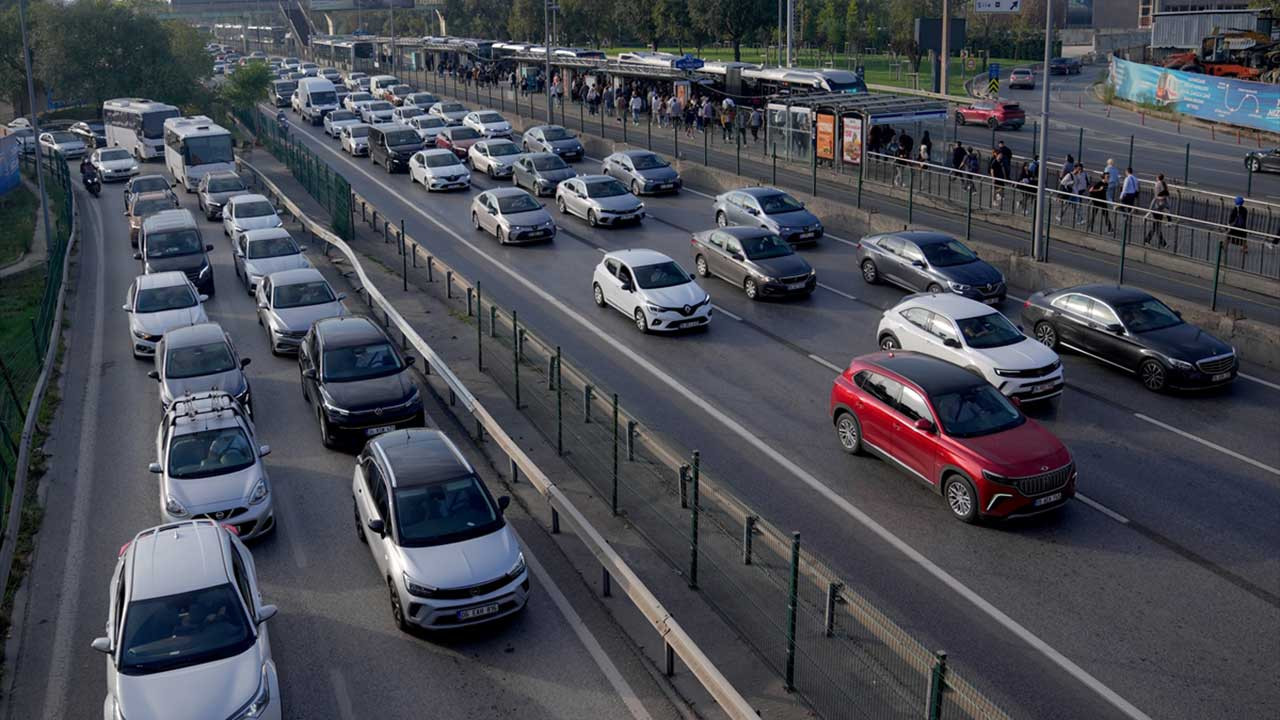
point(458, 139)
point(994, 114)
point(954, 431)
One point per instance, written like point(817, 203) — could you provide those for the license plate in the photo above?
point(795, 286)
point(536, 233)
point(1222, 376)
point(665, 186)
point(379, 430)
point(991, 300)
point(806, 236)
point(476, 612)
point(1041, 388)
point(1047, 499)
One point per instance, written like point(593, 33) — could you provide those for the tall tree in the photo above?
point(526, 20)
point(732, 20)
point(855, 26)
point(831, 24)
point(635, 18)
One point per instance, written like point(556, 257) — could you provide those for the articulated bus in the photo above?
point(195, 146)
point(137, 125)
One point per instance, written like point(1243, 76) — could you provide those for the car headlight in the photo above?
point(329, 407)
point(173, 507)
point(994, 477)
point(1007, 373)
point(417, 588)
point(1180, 364)
point(260, 492)
point(654, 308)
point(957, 287)
point(518, 568)
point(206, 270)
point(257, 705)
point(278, 223)
point(213, 205)
point(144, 336)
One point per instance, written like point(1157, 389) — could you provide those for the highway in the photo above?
point(1158, 593)
point(338, 652)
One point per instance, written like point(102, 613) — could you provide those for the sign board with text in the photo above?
point(826, 136)
point(851, 147)
point(997, 6)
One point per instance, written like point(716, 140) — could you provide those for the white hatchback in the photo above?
point(248, 212)
point(651, 289)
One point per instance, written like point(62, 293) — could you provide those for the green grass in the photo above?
point(17, 222)
point(20, 297)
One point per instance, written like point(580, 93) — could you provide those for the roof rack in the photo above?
point(189, 405)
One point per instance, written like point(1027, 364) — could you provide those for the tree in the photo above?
point(831, 24)
point(733, 20)
point(855, 26)
point(636, 18)
point(525, 20)
point(247, 86)
point(902, 26)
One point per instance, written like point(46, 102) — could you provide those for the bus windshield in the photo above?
point(208, 149)
point(153, 123)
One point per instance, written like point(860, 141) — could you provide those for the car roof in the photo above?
point(930, 374)
point(177, 558)
point(758, 192)
point(639, 256)
point(501, 192)
point(743, 231)
point(153, 176)
point(169, 278)
point(635, 153)
point(541, 155)
point(154, 195)
point(1107, 293)
point(169, 219)
point(251, 197)
point(919, 237)
point(420, 456)
point(949, 304)
point(595, 178)
point(546, 127)
point(222, 174)
point(295, 276)
point(266, 234)
point(200, 334)
point(438, 151)
point(350, 330)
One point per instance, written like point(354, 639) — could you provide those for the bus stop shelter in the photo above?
point(833, 126)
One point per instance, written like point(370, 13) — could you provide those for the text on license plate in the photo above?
point(806, 236)
point(665, 186)
point(379, 430)
point(1041, 388)
point(991, 300)
point(1221, 376)
point(795, 286)
point(476, 612)
point(1055, 497)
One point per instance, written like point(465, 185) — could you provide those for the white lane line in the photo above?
point(825, 363)
point(340, 693)
point(751, 438)
point(841, 293)
point(1015, 298)
point(1260, 381)
point(726, 312)
point(699, 193)
point(587, 638)
point(1102, 508)
point(839, 239)
point(1206, 443)
point(82, 475)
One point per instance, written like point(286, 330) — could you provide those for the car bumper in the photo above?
point(434, 184)
point(783, 289)
point(394, 163)
point(250, 522)
point(503, 171)
point(671, 320)
point(532, 236)
point(109, 175)
point(612, 219)
point(143, 348)
point(658, 188)
point(364, 425)
point(285, 343)
point(803, 237)
point(438, 614)
point(569, 155)
point(359, 151)
point(1195, 379)
point(1013, 124)
point(1032, 389)
point(1004, 501)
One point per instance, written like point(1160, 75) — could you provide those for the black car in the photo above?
point(1064, 66)
point(1131, 330)
point(357, 380)
point(1263, 160)
point(754, 259)
point(924, 261)
point(93, 133)
point(393, 145)
point(171, 240)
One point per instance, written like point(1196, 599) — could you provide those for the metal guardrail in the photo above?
point(675, 638)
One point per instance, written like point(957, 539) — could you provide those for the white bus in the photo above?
point(137, 125)
point(195, 146)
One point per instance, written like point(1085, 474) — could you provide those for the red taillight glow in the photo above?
point(123, 548)
point(231, 529)
point(1026, 303)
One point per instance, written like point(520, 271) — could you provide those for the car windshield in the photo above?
point(143, 208)
point(400, 90)
point(64, 137)
point(114, 154)
point(160, 299)
point(184, 629)
point(763, 247)
point(555, 133)
point(208, 149)
point(445, 159)
point(410, 112)
point(463, 133)
point(381, 106)
point(359, 97)
point(197, 360)
point(286, 86)
point(173, 244)
point(396, 138)
point(421, 99)
point(272, 247)
point(976, 410)
point(517, 204)
point(148, 184)
point(357, 131)
point(360, 362)
point(660, 275)
point(503, 149)
point(302, 294)
point(1146, 315)
point(340, 115)
point(489, 117)
point(605, 188)
point(549, 162)
point(444, 512)
point(425, 122)
point(944, 254)
point(206, 453)
point(225, 184)
point(648, 162)
point(254, 208)
point(452, 107)
point(778, 203)
point(989, 331)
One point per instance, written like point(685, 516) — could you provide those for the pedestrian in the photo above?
point(1156, 215)
point(674, 111)
point(926, 148)
point(661, 105)
point(972, 167)
point(957, 156)
point(637, 105)
point(905, 143)
point(1098, 203)
point(1113, 179)
point(741, 118)
point(1129, 189)
point(1239, 222)
point(692, 118)
point(995, 170)
point(757, 120)
point(708, 115)
point(1161, 187)
point(607, 97)
point(726, 120)
point(593, 100)
point(1026, 179)
point(1006, 157)
point(1066, 190)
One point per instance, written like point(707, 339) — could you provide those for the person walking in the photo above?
point(674, 111)
point(691, 117)
point(1161, 187)
point(925, 152)
point(1026, 181)
point(593, 101)
point(957, 156)
point(757, 120)
point(637, 105)
point(1098, 203)
point(995, 170)
point(708, 115)
point(1129, 189)
point(607, 95)
point(1112, 176)
point(1239, 222)
point(1006, 157)
point(660, 104)
point(1155, 216)
point(972, 165)
point(1080, 186)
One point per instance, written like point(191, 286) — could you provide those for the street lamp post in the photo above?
point(35, 125)
point(1038, 241)
point(790, 21)
point(546, 80)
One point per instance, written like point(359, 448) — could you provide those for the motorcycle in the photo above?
point(93, 184)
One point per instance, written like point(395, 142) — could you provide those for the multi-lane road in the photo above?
point(1158, 592)
point(337, 649)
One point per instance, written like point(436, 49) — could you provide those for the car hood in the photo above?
point(1184, 341)
point(784, 266)
point(463, 564)
point(360, 141)
point(217, 492)
point(342, 123)
point(505, 161)
point(1019, 356)
point(447, 171)
point(159, 323)
point(977, 272)
point(214, 689)
point(231, 382)
point(380, 113)
point(266, 266)
point(221, 198)
point(567, 144)
point(676, 296)
point(533, 217)
point(372, 393)
point(617, 203)
point(660, 174)
point(454, 116)
point(1028, 449)
point(264, 222)
point(177, 262)
point(125, 164)
point(491, 128)
point(300, 319)
point(465, 144)
point(556, 176)
point(795, 218)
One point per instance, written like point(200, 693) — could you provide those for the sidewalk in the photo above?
point(38, 254)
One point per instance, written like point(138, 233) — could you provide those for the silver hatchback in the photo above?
point(198, 358)
point(512, 215)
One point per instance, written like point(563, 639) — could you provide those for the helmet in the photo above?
point(1239, 201)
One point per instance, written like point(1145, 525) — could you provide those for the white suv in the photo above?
point(972, 335)
point(186, 634)
point(651, 289)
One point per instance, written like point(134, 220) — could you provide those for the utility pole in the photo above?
point(779, 54)
point(1037, 233)
point(546, 81)
point(35, 125)
point(392, 5)
point(945, 73)
point(791, 20)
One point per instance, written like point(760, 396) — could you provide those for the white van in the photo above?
point(315, 98)
point(378, 85)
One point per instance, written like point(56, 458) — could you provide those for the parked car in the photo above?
point(1263, 160)
point(1064, 66)
point(540, 173)
point(512, 216)
point(995, 114)
point(290, 301)
point(651, 289)
point(143, 206)
point(457, 139)
point(258, 253)
point(753, 259)
point(377, 112)
point(1129, 329)
point(953, 431)
point(158, 303)
point(215, 189)
point(185, 604)
point(428, 127)
point(92, 133)
point(927, 261)
point(972, 335)
point(553, 139)
point(439, 169)
point(1022, 78)
point(354, 139)
point(199, 358)
point(422, 100)
point(64, 143)
point(248, 212)
point(171, 240)
point(488, 123)
point(449, 111)
point(643, 171)
point(495, 158)
point(771, 209)
point(148, 183)
point(357, 380)
point(421, 508)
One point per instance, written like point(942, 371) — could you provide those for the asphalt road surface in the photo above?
point(1158, 592)
point(337, 649)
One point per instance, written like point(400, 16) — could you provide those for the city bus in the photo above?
point(195, 146)
point(137, 125)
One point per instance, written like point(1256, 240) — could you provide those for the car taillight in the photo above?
point(123, 548)
point(1026, 304)
point(231, 529)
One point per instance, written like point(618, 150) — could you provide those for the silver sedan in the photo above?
point(512, 215)
point(598, 199)
point(642, 171)
point(496, 158)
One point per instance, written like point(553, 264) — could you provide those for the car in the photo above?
point(512, 215)
point(357, 380)
point(290, 301)
point(645, 172)
point(219, 69)
point(62, 142)
point(210, 465)
point(92, 133)
point(197, 358)
point(354, 139)
point(1133, 331)
point(436, 534)
point(1263, 160)
point(357, 81)
point(25, 136)
point(144, 205)
point(259, 253)
point(114, 163)
point(599, 199)
point(771, 209)
point(281, 92)
point(148, 183)
point(356, 101)
point(995, 114)
point(171, 240)
point(553, 139)
point(1022, 78)
point(309, 69)
point(291, 62)
point(397, 93)
point(422, 100)
point(496, 158)
point(377, 112)
point(927, 261)
point(248, 212)
point(651, 289)
point(953, 431)
point(449, 111)
point(405, 113)
point(753, 259)
point(439, 169)
point(1064, 66)
point(428, 127)
point(341, 93)
point(976, 337)
point(540, 173)
point(158, 303)
point(457, 139)
point(215, 189)
point(184, 603)
point(331, 74)
point(393, 145)
point(488, 123)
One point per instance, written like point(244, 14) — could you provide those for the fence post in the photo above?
point(748, 529)
point(683, 473)
point(937, 682)
point(430, 273)
point(968, 220)
point(404, 259)
point(470, 291)
point(693, 524)
point(631, 440)
point(911, 194)
point(737, 147)
point(833, 595)
point(480, 329)
point(862, 173)
point(1217, 270)
point(559, 407)
point(587, 391)
point(1080, 147)
point(515, 353)
point(613, 503)
point(675, 139)
point(790, 679)
point(813, 164)
point(775, 164)
point(17, 401)
point(1124, 243)
point(1130, 164)
point(1186, 167)
point(448, 284)
point(706, 138)
point(649, 129)
point(1249, 187)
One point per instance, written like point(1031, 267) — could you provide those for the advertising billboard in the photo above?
point(851, 147)
point(1227, 100)
point(826, 136)
point(9, 150)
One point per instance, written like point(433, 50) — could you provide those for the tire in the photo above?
point(961, 498)
point(635, 188)
point(721, 220)
point(1153, 375)
point(1047, 334)
point(598, 294)
point(491, 174)
point(642, 323)
point(1255, 165)
point(751, 289)
point(397, 612)
point(849, 432)
point(591, 218)
point(870, 273)
point(475, 221)
point(326, 433)
point(501, 239)
point(700, 266)
point(889, 342)
point(564, 210)
point(960, 118)
point(359, 526)
point(934, 288)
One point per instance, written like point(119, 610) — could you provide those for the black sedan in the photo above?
point(1131, 330)
point(1263, 160)
point(754, 259)
point(356, 379)
point(1064, 66)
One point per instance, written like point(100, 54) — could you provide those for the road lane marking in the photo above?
point(1015, 298)
point(751, 438)
point(839, 239)
point(1206, 443)
point(1102, 508)
point(726, 312)
point(345, 710)
point(841, 293)
point(826, 363)
point(1260, 381)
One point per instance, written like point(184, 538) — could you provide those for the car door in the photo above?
point(240, 255)
point(489, 216)
point(623, 171)
point(916, 449)
point(914, 268)
point(263, 301)
point(520, 172)
point(1271, 160)
point(372, 504)
point(613, 291)
point(576, 198)
point(732, 266)
point(913, 330)
point(713, 252)
point(943, 331)
point(1116, 347)
point(1072, 318)
point(889, 262)
point(877, 408)
point(309, 359)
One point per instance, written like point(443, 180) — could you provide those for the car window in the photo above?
point(731, 245)
point(779, 203)
point(301, 294)
point(380, 503)
point(977, 410)
point(517, 204)
point(252, 208)
point(989, 331)
point(1073, 302)
point(444, 512)
point(1103, 315)
point(911, 404)
point(945, 254)
point(941, 327)
point(882, 388)
point(197, 360)
point(173, 244)
point(205, 453)
point(184, 629)
point(242, 579)
point(1146, 315)
point(918, 317)
point(360, 362)
point(160, 299)
point(717, 238)
point(764, 247)
point(911, 252)
point(661, 275)
point(272, 247)
point(891, 245)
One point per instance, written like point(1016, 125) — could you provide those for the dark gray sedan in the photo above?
point(540, 173)
point(771, 209)
point(920, 260)
point(215, 189)
point(645, 172)
point(552, 139)
point(754, 259)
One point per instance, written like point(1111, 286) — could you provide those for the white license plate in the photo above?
point(806, 236)
point(379, 430)
point(476, 612)
point(795, 286)
point(991, 300)
point(1047, 499)
point(1221, 376)
point(665, 186)
point(1041, 388)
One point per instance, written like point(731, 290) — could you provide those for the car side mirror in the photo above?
point(245, 361)
point(1115, 329)
point(626, 285)
point(504, 502)
point(302, 248)
point(735, 255)
point(1178, 313)
point(208, 248)
point(309, 373)
point(917, 263)
point(262, 306)
point(923, 425)
point(753, 211)
point(264, 450)
point(266, 612)
point(951, 342)
point(342, 296)
point(377, 527)
point(155, 468)
point(153, 374)
point(409, 359)
point(1017, 402)
point(202, 298)
point(127, 307)
point(102, 645)
point(137, 256)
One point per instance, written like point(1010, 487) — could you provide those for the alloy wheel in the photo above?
point(700, 264)
point(721, 220)
point(889, 342)
point(849, 433)
point(960, 499)
point(591, 218)
point(750, 288)
point(598, 294)
point(641, 323)
point(560, 204)
point(397, 612)
point(1152, 375)
point(934, 288)
point(1046, 334)
point(359, 527)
